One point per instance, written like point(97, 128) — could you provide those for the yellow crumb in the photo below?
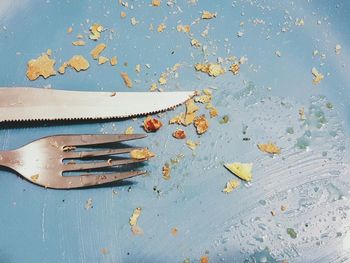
point(102, 60)
point(41, 66)
point(241, 170)
point(79, 63)
point(208, 15)
point(95, 30)
point(113, 61)
point(126, 78)
point(129, 130)
point(230, 185)
point(161, 27)
point(95, 53)
point(141, 154)
point(155, 2)
point(79, 43)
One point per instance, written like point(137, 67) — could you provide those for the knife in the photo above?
point(37, 104)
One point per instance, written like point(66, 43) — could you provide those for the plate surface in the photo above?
point(310, 177)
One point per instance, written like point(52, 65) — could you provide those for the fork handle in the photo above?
point(8, 159)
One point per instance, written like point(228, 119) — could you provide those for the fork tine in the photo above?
point(93, 139)
point(97, 165)
point(94, 179)
point(92, 153)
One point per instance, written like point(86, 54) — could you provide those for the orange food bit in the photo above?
point(234, 68)
point(151, 124)
point(155, 2)
point(174, 231)
point(201, 124)
point(166, 172)
point(269, 148)
point(204, 259)
point(114, 61)
point(179, 134)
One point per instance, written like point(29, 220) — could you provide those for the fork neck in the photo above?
point(8, 158)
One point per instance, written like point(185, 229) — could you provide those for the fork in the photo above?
point(42, 161)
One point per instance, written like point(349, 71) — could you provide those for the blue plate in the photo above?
point(280, 42)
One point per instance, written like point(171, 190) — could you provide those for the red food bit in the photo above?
point(179, 134)
point(151, 124)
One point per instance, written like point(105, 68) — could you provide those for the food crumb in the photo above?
point(234, 68)
point(155, 2)
point(299, 22)
point(291, 232)
point(95, 53)
point(273, 213)
point(138, 68)
point(129, 130)
point(183, 28)
point(224, 119)
point(153, 87)
point(212, 69)
point(269, 148)
point(162, 80)
point(230, 186)
point(78, 63)
point(104, 251)
point(195, 43)
point(135, 229)
point(179, 134)
point(337, 49)
point(70, 30)
point(34, 177)
point(302, 115)
point(174, 231)
point(139, 154)
point(135, 216)
point(133, 21)
point(201, 124)
point(213, 112)
point(317, 76)
point(283, 208)
point(127, 80)
point(122, 14)
point(161, 27)
point(208, 15)
point(95, 30)
point(278, 53)
point(166, 171)
point(204, 259)
point(88, 204)
point(113, 61)
point(241, 170)
point(151, 124)
point(41, 66)
point(79, 43)
point(240, 33)
point(191, 144)
point(102, 60)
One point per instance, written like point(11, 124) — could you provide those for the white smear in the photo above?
point(43, 222)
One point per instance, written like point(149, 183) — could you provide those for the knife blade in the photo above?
point(37, 104)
